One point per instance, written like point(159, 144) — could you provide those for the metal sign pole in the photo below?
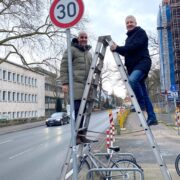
point(71, 95)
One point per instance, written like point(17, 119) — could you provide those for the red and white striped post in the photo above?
point(112, 128)
point(108, 140)
point(177, 117)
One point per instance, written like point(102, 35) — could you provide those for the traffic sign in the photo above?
point(66, 13)
point(173, 88)
point(174, 94)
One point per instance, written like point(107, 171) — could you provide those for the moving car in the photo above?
point(58, 118)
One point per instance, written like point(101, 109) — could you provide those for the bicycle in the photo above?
point(177, 164)
point(108, 166)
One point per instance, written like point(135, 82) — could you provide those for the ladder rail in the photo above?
point(87, 87)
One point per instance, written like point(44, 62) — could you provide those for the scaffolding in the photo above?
point(167, 76)
point(175, 29)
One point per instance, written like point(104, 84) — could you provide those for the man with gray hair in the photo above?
point(81, 62)
point(138, 64)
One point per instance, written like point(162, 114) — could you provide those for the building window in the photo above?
point(26, 98)
point(22, 79)
point(32, 81)
point(14, 77)
point(9, 76)
point(14, 96)
point(26, 80)
point(9, 96)
point(18, 78)
point(29, 81)
point(32, 98)
point(35, 82)
point(14, 115)
point(9, 115)
point(18, 114)
point(4, 75)
point(18, 97)
point(4, 98)
point(22, 97)
point(22, 114)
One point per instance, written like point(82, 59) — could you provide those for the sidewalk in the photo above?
point(134, 141)
point(9, 129)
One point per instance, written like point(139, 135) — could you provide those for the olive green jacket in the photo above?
point(81, 62)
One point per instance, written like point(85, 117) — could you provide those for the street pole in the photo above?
point(71, 96)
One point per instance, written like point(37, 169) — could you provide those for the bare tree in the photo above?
point(153, 81)
point(27, 34)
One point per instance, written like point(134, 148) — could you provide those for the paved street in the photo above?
point(132, 140)
point(35, 152)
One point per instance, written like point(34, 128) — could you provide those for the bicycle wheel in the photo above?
point(83, 169)
point(177, 164)
point(125, 175)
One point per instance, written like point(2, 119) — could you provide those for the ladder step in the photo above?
point(97, 70)
point(101, 56)
point(86, 114)
point(82, 129)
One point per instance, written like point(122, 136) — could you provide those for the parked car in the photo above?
point(58, 118)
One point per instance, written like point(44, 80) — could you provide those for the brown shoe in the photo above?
point(78, 141)
point(85, 140)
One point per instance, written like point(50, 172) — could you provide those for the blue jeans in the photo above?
point(137, 82)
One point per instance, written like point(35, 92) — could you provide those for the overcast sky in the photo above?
point(107, 18)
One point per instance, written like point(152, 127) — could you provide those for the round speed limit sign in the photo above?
point(66, 13)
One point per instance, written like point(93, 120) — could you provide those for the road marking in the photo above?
point(20, 154)
point(69, 174)
point(5, 142)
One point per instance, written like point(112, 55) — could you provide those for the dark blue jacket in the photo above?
point(136, 51)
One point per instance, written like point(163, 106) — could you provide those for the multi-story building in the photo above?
point(175, 28)
point(165, 46)
point(21, 92)
point(169, 44)
point(53, 91)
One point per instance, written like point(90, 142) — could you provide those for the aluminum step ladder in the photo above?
point(150, 137)
point(91, 86)
point(87, 102)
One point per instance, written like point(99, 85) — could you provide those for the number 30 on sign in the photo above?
point(66, 13)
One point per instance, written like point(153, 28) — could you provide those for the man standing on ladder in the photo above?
point(138, 64)
point(81, 62)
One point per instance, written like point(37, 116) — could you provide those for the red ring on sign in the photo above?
point(66, 25)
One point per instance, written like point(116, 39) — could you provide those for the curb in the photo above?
point(21, 127)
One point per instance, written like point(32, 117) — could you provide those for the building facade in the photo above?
point(21, 92)
point(168, 27)
point(53, 91)
point(165, 47)
point(175, 28)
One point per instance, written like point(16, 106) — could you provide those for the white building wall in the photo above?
point(22, 92)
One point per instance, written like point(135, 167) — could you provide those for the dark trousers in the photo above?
point(77, 104)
